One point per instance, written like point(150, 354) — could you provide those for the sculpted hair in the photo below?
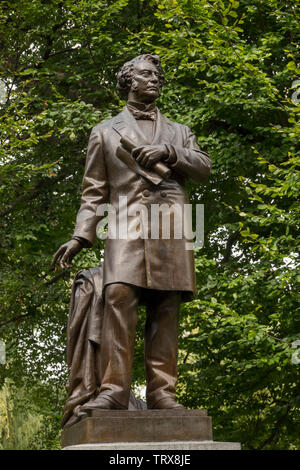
point(124, 76)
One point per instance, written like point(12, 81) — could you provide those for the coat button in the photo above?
point(146, 193)
point(163, 194)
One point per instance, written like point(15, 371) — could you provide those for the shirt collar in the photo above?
point(142, 106)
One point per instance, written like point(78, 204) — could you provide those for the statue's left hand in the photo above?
point(148, 155)
point(66, 253)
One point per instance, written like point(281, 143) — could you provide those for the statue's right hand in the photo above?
point(66, 253)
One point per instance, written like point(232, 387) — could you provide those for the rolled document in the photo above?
point(160, 168)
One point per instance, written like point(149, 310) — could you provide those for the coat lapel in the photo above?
point(125, 124)
point(164, 132)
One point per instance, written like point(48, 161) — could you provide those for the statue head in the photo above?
point(141, 78)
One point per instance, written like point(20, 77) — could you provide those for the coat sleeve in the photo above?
point(94, 189)
point(190, 161)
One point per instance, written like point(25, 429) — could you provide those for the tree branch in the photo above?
point(233, 237)
point(19, 318)
point(275, 433)
point(65, 273)
point(44, 184)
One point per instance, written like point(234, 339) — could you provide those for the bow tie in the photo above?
point(138, 114)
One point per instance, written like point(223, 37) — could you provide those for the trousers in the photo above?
point(118, 340)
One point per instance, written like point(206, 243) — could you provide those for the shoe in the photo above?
point(167, 404)
point(100, 403)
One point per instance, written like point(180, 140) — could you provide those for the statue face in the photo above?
point(145, 84)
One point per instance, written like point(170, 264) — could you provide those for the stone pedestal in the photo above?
point(143, 430)
point(158, 446)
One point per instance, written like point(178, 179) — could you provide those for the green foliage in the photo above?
point(17, 425)
point(240, 343)
point(231, 71)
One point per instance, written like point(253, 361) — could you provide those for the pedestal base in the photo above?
point(101, 426)
point(177, 429)
point(166, 445)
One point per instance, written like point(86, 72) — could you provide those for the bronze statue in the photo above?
point(143, 156)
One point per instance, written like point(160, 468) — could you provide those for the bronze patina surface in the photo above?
point(140, 426)
point(156, 272)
